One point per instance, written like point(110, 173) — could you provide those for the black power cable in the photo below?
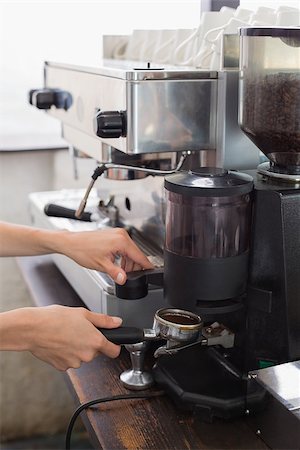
point(103, 400)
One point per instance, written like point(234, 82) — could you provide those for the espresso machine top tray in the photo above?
point(136, 71)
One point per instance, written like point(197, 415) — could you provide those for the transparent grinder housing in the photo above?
point(208, 222)
point(269, 110)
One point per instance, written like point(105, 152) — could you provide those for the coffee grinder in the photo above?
point(270, 117)
point(232, 250)
point(208, 225)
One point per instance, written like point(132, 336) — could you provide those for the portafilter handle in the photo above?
point(128, 335)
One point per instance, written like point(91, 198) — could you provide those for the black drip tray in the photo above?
point(203, 381)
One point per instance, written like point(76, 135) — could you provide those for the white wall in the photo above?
point(71, 32)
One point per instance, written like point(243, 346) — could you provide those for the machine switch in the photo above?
point(110, 124)
point(46, 98)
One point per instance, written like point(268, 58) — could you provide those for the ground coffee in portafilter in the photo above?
point(180, 319)
point(271, 116)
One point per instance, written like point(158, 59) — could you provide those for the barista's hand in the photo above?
point(99, 249)
point(65, 337)
point(92, 249)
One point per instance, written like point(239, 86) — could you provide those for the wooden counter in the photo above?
point(128, 424)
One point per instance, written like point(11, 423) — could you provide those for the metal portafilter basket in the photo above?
point(178, 327)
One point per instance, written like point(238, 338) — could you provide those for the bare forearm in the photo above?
point(92, 249)
point(16, 329)
point(19, 240)
point(59, 335)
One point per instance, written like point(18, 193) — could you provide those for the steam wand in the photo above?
point(101, 169)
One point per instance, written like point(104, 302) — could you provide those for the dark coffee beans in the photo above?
point(271, 116)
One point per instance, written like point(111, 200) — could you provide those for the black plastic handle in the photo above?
point(123, 335)
point(60, 211)
point(45, 98)
point(136, 285)
point(110, 124)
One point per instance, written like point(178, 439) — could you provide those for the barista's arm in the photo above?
point(61, 336)
point(93, 249)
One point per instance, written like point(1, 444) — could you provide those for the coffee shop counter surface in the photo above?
point(128, 424)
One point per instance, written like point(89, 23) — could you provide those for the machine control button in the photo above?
point(110, 124)
point(46, 98)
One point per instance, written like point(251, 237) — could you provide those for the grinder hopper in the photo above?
point(270, 94)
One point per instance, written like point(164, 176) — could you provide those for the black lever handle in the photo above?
point(136, 285)
point(45, 98)
point(123, 335)
point(60, 211)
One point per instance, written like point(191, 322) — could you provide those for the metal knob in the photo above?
point(136, 378)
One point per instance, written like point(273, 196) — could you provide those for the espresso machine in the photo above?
point(260, 250)
point(231, 236)
point(232, 248)
point(129, 116)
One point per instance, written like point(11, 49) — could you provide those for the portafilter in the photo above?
point(178, 327)
point(173, 325)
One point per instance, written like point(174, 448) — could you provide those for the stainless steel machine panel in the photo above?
point(166, 110)
point(278, 423)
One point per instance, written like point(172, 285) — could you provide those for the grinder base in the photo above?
point(216, 388)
